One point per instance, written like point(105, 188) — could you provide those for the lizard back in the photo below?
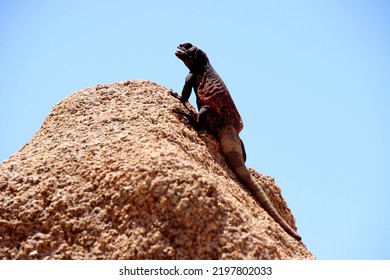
point(212, 91)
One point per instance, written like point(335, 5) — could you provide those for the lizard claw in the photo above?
point(174, 94)
point(179, 111)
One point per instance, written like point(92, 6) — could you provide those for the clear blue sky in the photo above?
point(311, 80)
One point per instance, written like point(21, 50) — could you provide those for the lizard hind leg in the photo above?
point(208, 119)
point(192, 121)
point(243, 150)
point(205, 119)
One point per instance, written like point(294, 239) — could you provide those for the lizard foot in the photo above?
point(191, 120)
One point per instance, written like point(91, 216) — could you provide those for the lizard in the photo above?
point(218, 114)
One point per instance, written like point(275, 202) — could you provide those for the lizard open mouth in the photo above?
point(180, 50)
point(181, 53)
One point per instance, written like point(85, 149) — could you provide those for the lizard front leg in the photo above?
point(187, 88)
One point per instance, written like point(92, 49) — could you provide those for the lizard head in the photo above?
point(191, 56)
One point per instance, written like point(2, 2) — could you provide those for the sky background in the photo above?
point(311, 80)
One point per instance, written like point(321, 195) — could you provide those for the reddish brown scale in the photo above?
point(213, 92)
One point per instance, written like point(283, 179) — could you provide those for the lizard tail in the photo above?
point(232, 150)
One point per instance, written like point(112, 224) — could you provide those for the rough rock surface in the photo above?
point(113, 173)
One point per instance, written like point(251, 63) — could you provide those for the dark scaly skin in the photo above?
point(218, 114)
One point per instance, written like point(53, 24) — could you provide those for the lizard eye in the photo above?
point(186, 45)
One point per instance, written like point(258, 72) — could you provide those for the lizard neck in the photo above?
point(196, 69)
